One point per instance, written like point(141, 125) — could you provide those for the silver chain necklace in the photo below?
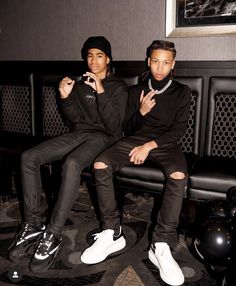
point(161, 90)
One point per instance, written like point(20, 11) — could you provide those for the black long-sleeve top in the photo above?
point(167, 120)
point(87, 111)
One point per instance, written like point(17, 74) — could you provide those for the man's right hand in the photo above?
point(65, 87)
point(147, 102)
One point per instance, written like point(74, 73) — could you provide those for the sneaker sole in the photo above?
point(120, 244)
point(32, 246)
point(39, 268)
point(153, 259)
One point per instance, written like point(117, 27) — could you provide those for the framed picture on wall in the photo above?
point(193, 18)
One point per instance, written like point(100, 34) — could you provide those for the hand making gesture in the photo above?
point(147, 102)
point(93, 81)
point(65, 87)
point(139, 154)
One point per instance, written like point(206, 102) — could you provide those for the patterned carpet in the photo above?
point(127, 267)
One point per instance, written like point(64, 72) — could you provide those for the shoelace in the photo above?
point(45, 243)
point(25, 230)
point(22, 235)
point(101, 234)
point(98, 235)
point(161, 251)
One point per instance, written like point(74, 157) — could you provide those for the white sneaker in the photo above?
point(105, 244)
point(170, 272)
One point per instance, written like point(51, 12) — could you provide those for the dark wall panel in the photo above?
point(56, 30)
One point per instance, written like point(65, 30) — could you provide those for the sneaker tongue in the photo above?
point(29, 227)
point(161, 247)
point(110, 231)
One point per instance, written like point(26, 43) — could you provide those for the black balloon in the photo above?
point(217, 208)
point(232, 210)
point(231, 194)
point(216, 241)
point(229, 278)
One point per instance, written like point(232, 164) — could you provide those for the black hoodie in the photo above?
point(167, 121)
point(86, 111)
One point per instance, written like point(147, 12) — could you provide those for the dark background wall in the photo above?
point(55, 30)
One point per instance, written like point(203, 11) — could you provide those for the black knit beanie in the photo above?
point(98, 42)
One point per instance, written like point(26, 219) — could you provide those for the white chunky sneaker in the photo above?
point(170, 272)
point(105, 244)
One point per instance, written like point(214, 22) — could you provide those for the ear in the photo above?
point(108, 60)
point(173, 64)
point(148, 62)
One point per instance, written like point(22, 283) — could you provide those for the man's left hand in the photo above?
point(139, 154)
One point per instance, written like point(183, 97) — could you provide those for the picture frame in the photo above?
point(177, 26)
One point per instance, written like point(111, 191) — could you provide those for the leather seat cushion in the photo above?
point(214, 173)
point(15, 144)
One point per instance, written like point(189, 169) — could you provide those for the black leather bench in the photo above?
point(17, 125)
point(215, 173)
point(30, 114)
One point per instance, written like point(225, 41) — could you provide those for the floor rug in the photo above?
point(130, 266)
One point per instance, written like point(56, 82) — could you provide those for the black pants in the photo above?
point(170, 159)
point(78, 151)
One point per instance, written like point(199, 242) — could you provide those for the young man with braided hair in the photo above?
point(156, 117)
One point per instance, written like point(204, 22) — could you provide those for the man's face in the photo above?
point(161, 62)
point(97, 62)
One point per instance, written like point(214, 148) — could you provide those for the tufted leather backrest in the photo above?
point(131, 80)
point(53, 122)
point(221, 122)
point(17, 104)
point(190, 141)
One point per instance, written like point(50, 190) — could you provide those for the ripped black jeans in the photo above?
point(170, 159)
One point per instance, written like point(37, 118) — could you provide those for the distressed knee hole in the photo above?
point(100, 165)
point(177, 176)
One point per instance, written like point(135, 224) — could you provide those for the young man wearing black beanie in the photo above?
point(94, 109)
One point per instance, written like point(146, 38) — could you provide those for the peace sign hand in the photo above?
point(147, 102)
